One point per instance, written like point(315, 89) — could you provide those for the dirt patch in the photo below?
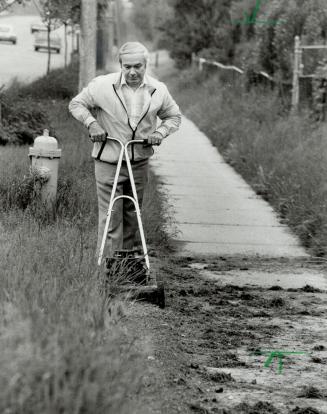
point(212, 343)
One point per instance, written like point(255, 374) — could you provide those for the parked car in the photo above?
point(40, 27)
point(7, 33)
point(41, 41)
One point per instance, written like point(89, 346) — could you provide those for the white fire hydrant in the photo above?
point(45, 157)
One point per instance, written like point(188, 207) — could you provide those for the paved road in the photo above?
point(21, 60)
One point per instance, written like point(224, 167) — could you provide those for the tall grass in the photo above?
point(61, 350)
point(283, 156)
point(76, 198)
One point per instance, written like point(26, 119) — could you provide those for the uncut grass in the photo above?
point(62, 351)
point(283, 156)
point(76, 195)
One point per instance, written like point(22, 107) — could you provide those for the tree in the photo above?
point(55, 13)
point(199, 26)
point(67, 12)
point(105, 33)
point(275, 42)
point(6, 4)
point(48, 11)
point(150, 17)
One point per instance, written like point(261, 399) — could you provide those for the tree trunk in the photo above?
point(66, 45)
point(49, 50)
point(118, 22)
point(87, 68)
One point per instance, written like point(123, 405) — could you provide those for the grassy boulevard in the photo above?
point(62, 351)
point(67, 349)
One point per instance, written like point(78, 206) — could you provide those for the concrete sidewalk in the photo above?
point(216, 211)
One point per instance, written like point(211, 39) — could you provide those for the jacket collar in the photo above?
point(123, 81)
point(147, 81)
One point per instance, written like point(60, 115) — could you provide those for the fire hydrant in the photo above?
point(45, 157)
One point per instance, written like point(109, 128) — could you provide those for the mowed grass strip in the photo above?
point(61, 350)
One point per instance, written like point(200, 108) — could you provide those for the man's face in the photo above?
point(133, 68)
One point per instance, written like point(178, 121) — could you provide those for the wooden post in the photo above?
point(193, 60)
point(296, 74)
point(301, 66)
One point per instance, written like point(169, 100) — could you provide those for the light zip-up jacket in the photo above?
point(104, 95)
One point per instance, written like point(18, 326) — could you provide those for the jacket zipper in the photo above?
point(129, 124)
point(101, 150)
point(140, 122)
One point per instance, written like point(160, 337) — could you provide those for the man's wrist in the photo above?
point(160, 134)
point(90, 120)
point(91, 123)
point(162, 130)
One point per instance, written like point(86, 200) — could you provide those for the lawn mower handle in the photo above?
point(145, 141)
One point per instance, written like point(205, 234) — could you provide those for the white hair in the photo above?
point(133, 48)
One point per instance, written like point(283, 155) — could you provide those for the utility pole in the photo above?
point(88, 25)
point(111, 33)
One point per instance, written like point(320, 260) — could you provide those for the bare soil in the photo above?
point(205, 352)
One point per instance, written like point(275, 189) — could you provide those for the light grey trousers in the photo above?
point(123, 223)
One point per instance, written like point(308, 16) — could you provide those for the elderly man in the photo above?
point(127, 106)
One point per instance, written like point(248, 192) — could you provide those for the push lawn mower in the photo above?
point(131, 268)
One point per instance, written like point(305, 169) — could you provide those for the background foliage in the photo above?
point(23, 113)
point(218, 30)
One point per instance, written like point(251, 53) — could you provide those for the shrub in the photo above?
point(58, 84)
point(23, 112)
point(22, 119)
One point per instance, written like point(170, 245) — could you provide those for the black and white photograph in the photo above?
point(163, 206)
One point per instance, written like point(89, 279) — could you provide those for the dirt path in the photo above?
point(204, 351)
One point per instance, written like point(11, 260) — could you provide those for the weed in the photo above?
point(311, 392)
point(219, 376)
